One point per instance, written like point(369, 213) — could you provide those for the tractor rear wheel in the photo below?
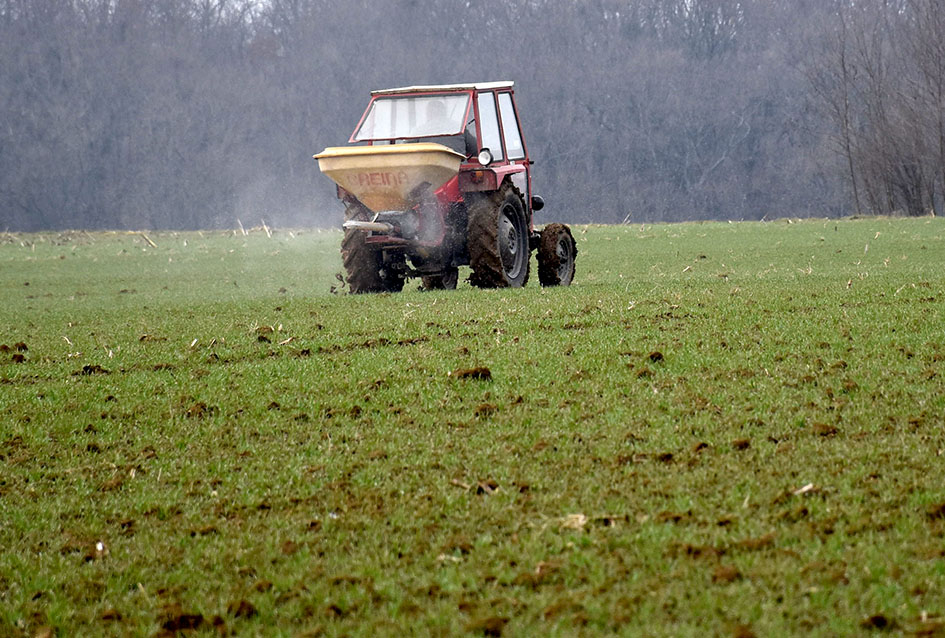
point(497, 238)
point(556, 255)
point(365, 265)
point(444, 281)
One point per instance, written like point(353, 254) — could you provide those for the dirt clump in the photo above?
point(724, 574)
point(762, 542)
point(877, 621)
point(936, 511)
point(825, 430)
point(241, 609)
point(484, 410)
point(480, 372)
point(743, 631)
point(491, 626)
point(88, 370)
point(175, 619)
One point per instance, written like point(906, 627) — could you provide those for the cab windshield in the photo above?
point(400, 117)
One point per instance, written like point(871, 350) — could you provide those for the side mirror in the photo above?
point(485, 157)
point(537, 203)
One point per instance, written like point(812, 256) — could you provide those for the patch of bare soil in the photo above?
point(175, 619)
point(936, 511)
point(484, 410)
point(372, 343)
point(16, 347)
point(825, 430)
point(694, 551)
point(241, 609)
point(88, 370)
point(488, 626)
point(724, 574)
point(753, 544)
point(878, 621)
point(481, 372)
point(200, 410)
point(674, 517)
point(743, 631)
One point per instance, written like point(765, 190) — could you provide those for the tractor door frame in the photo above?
point(517, 169)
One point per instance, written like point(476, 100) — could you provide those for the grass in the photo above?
point(722, 429)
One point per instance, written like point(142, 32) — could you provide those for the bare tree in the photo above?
point(882, 84)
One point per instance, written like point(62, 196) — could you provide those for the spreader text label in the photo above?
point(380, 178)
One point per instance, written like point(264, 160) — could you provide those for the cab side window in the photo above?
point(489, 124)
point(513, 139)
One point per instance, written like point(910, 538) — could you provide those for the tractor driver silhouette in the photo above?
point(437, 121)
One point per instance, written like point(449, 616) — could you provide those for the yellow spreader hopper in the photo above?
point(382, 177)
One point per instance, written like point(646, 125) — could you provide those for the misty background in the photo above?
point(185, 114)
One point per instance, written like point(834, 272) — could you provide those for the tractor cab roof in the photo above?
point(439, 88)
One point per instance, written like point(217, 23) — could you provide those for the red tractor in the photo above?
point(439, 177)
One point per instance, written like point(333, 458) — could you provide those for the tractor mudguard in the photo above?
point(479, 180)
point(487, 179)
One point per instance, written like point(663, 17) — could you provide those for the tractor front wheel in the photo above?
point(556, 255)
point(497, 238)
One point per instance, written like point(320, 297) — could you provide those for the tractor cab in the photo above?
point(478, 121)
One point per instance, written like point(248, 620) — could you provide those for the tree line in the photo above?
point(881, 86)
point(197, 113)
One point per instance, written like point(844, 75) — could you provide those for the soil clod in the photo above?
point(743, 631)
point(177, 620)
point(241, 609)
point(725, 574)
point(486, 409)
point(491, 626)
point(489, 486)
point(480, 372)
point(936, 511)
point(825, 430)
point(877, 621)
point(762, 542)
point(88, 370)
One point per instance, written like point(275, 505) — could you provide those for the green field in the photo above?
point(720, 429)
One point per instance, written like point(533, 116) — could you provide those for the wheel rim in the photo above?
point(563, 250)
point(450, 279)
point(510, 243)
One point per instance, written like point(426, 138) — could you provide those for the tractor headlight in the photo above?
point(485, 157)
